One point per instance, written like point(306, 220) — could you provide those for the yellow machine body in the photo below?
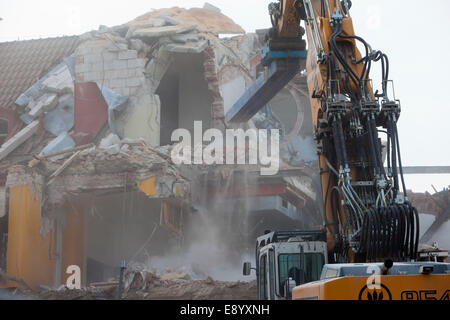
point(395, 287)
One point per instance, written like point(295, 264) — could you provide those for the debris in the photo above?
point(183, 38)
point(207, 19)
point(170, 21)
point(115, 102)
point(113, 150)
point(187, 48)
point(62, 168)
point(175, 276)
point(210, 7)
point(147, 286)
point(48, 156)
point(7, 277)
point(149, 33)
point(104, 284)
point(47, 102)
point(59, 82)
point(63, 142)
point(20, 137)
point(61, 119)
point(36, 90)
point(111, 140)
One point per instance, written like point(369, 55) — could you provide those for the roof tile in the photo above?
point(22, 63)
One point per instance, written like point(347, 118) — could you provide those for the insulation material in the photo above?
point(115, 102)
point(61, 119)
point(206, 20)
point(63, 142)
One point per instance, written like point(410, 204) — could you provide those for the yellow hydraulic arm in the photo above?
point(368, 216)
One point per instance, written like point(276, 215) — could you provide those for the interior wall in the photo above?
point(169, 97)
point(118, 225)
point(73, 241)
point(184, 96)
point(195, 98)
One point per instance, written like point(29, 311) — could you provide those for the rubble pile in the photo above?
point(148, 286)
point(112, 155)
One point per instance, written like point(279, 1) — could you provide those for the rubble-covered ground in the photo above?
point(169, 286)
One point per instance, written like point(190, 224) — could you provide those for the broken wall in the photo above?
point(29, 252)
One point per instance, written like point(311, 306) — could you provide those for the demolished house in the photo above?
point(86, 173)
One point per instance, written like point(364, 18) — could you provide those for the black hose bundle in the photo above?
point(390, 227)
point(390, 232)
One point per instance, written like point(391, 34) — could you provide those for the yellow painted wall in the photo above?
point(147, 186)
point(30, 256)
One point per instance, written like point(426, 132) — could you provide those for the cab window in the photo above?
point(263, 278)
point(272, 274)
point(291, 266)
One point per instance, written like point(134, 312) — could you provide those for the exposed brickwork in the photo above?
point(211, 76)
point(114, 67)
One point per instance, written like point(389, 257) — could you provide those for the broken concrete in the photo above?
point(22, 136)
point(60, 82)
point(47, 102)
point(149, 33)
point(197, 47)
point(148, 286)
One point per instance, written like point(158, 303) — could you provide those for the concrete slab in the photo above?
point(22, 136)
point(183, 38)
point(187, 48)
point(47, 102)
point(162, 31)
point(60, 82)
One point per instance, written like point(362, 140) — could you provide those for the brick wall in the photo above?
point(110, 64)
point(218, 116)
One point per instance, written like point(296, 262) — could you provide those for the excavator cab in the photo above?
point(287, 259)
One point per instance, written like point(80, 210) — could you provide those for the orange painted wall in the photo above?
point(73, 241)
point(30, 256)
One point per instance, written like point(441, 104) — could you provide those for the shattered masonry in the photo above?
point(85, 164)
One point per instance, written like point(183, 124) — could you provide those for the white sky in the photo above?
point(413, 33)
